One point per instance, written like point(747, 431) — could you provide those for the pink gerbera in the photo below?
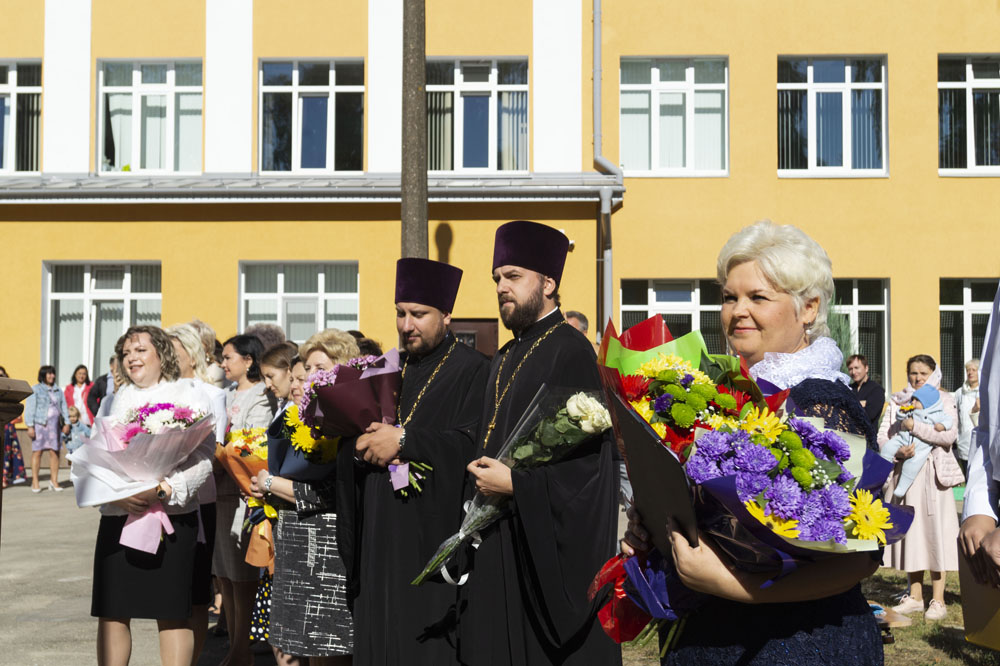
point(183, 413)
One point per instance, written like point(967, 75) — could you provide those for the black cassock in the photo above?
point(395, 622)
point(526, 600)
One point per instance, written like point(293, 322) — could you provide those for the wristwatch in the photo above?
point(161, 494)
point(402, 439)
point(267, 483)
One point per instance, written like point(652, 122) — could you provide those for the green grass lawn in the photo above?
point(921, 643)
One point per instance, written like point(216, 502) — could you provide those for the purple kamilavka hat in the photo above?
point(533, 246)
point(427, 282)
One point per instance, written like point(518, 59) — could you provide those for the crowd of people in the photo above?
point(346, 546)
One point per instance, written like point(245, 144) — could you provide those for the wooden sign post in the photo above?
point(12, 394)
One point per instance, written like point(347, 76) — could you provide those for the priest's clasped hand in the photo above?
point(379, 445)
point(492, 476)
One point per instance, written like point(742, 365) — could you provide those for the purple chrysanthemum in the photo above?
point(836, 501)
point(662, 404)
point(823, 529)
point(727, 467)
point(714, 444)
point(835, 444)
point(823, 443)
point(785, 498)
point(844, 477)
point(700, 468)
point(754, 459)
point(748, 486)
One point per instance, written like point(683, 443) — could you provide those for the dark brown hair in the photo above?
point(857, 357)
point(170, 369)
point(280, 356)
point(921, 358)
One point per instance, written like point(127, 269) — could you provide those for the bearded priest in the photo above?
point(400, 530)
point(525, 601)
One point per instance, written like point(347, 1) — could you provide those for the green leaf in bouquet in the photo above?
point(548, 434)
point(669, 376)
point(831, 468)
point(718, 366)
point(575, 435)
point(523, 452)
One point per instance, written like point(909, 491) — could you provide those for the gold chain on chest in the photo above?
point(423, 390)
point(497, 395)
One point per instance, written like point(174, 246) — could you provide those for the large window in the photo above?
point(864, 305)
point(965, 312)
point(150, 116)
point(302, 298)
point(312, 115)
point(832, 116)
point(477, 115)
point(20, 116)
point(969, 114)
point(87, 307)
point(685, 305)
point(674, 118)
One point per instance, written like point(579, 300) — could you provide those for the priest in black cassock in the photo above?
point(525, 602)
point(438, 417)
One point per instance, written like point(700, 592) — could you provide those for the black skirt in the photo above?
point(202, 593)
point(129, 583)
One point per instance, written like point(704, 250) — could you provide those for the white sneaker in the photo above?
point(909, 605)
point(935, 611)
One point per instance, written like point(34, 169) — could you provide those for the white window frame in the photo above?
point(688, 87)
point(845, 88)
point(968, 308)
point(970, 85)
point(298, 92)
point(853, 308)
point(138, 89)
point(490, 88)
point(692, 307)
point(11, 90)
point(321, 296)
point(90, 296)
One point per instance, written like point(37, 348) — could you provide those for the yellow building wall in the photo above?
point(23, 29)
point(200, 247)
point(308, 29)
point(912, 227)
point(478, 28)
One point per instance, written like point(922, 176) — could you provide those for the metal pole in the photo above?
point(413, 185)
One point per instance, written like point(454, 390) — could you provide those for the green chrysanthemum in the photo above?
point(803, 458)
point(725, 401)
point(790, 440)
point(676, 391)
point(706, 391)
point(669, 376)
point(683, 415)
point(696, 402)
point(803, 477)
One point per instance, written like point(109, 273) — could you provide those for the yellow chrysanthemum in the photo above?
point(646, 412)
point(780, 526)
point(663, 362)
point(870, 518)
point(717, 421)
point(302, 440)
point(292, 419)
point(255, 439)
point(762, 422)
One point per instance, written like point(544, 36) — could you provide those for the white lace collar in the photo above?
point(820, 360)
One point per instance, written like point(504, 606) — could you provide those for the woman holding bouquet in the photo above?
point(247, 407)
point(130, 583)
point(931, 543)
point(309, 615)
point(776, 286)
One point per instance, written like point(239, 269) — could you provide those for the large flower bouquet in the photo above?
point(132, 453)
point(243, 456)
point(555, 422)
point(771, 487)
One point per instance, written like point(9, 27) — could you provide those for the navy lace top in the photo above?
point(836, 630)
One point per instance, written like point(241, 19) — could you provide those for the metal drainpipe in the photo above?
point(604, 165)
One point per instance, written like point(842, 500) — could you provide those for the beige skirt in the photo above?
point(931, 543)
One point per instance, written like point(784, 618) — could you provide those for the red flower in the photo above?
point(635, 386)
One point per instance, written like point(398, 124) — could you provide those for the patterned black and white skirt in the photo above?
point(309, 616)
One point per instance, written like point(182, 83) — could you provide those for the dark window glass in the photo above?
point(631, 317)
point(792, 70)
point(951, 69)
point(986, 69)
point(476, 131)
point(870, 292)
point(952, 370)
point(351, 74)
point(277, 73)
point(277, 132)
point(986, 121)
point(866, 71)
point(440, 73)
point(951, 129)
point(314, 113)
point(314, 73)
point(475, 72)
point(512, 73)
point(951, 291)
point(979, 324)
point(829, 129)
point(711, 331)
point(828, 71)
point(679, 324)
point(843, 292)
point(29, 75)
point(711, 292)
point(983, 292)
point(27, 145)
point(871, 342)
point(635, 292)
point(3, 73)
point(67, 279)
point(440, 130)
point(866, 129)
point(349, 151)
point(793, 130)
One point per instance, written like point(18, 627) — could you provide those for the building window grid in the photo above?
point(280, 298)
point(140, 91)
point(971, 85)
point(695, 308)
point(299, 92)
point(490, 88)
point(974, 317)
point(688, 88)
point(845, 88)
point(878, 359)
point(14, 155)
point(90, 298)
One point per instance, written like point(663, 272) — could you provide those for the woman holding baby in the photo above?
point(931, 542)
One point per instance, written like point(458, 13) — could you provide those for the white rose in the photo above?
point(589, 412)
point(159, 421)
